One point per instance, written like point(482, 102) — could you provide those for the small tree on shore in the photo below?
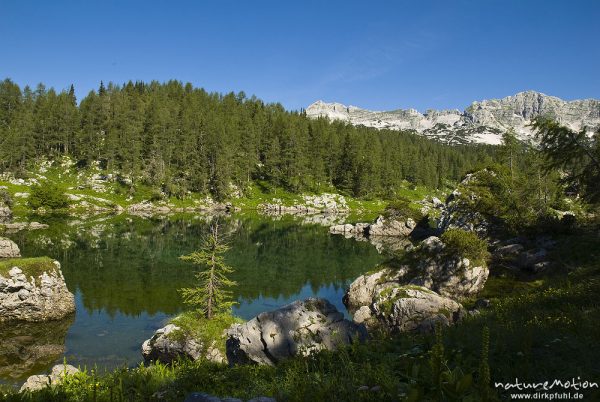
point(211, 296)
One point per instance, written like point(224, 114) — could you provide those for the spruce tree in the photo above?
point(211, 296)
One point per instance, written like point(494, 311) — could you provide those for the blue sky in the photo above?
point(378, 55)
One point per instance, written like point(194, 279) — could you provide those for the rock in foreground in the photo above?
point(170, 343)
point(301, 327)
point(37, 382)
point(408, 308)
point(34, 290)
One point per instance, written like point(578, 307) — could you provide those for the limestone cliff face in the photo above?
point(481, 122)
point(44, 297)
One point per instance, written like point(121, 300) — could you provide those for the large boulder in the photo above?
point(391, 227)
point(449, 275)
point(301, 327)
point(428, 266)
point(8, 248)
point(363, 289)
point(56, 376)
point(40, 297)
point(401, 308)
point(408, 308)
point(428, 278)
point(170, 343)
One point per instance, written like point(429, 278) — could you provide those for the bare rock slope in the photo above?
point(481, 122)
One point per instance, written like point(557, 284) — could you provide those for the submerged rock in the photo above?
point(299, 328)
point(58, 373)
point(170, 343)
point(8, 248)
point(41, 298)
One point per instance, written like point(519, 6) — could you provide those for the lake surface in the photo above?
point(125, 274)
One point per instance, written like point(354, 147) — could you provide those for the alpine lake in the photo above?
point(125, 273)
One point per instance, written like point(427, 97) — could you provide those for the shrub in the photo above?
point(156, 195)
point(466, 244)
point(196, 326)
point(48, 196)
point(401, 208)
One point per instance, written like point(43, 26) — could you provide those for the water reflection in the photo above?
point(125, 273)
point(30, 348)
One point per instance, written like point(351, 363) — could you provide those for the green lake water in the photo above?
point(125, 273)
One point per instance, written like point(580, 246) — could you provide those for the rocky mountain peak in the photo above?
point(482, 122)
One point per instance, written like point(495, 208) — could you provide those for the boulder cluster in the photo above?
point(416, 294)
point(527, 255)
point(380, 227)
point(56, 376)
point(386, 234)
point(147, 209)
point(310, 205)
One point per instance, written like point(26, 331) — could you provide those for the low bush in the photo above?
point(47, 195)
point(401, 209)
point(466, 244)
point(194, 324)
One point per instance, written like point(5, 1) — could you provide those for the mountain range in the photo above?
point(482, 122)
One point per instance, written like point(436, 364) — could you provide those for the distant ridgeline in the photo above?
point(179, 138)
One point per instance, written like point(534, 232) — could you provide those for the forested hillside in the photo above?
point(179, 138)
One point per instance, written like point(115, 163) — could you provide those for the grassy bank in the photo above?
point(92, 188)
point(30, 266)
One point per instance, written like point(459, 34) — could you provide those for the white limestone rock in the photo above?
point(481, 122)
point(301, 327)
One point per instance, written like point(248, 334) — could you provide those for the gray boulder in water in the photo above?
point(42, 297)
point(391, 227)
point(299, 328)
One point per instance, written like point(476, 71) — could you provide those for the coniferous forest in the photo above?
point(181, 139)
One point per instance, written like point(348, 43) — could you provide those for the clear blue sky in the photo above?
point(378, 55)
